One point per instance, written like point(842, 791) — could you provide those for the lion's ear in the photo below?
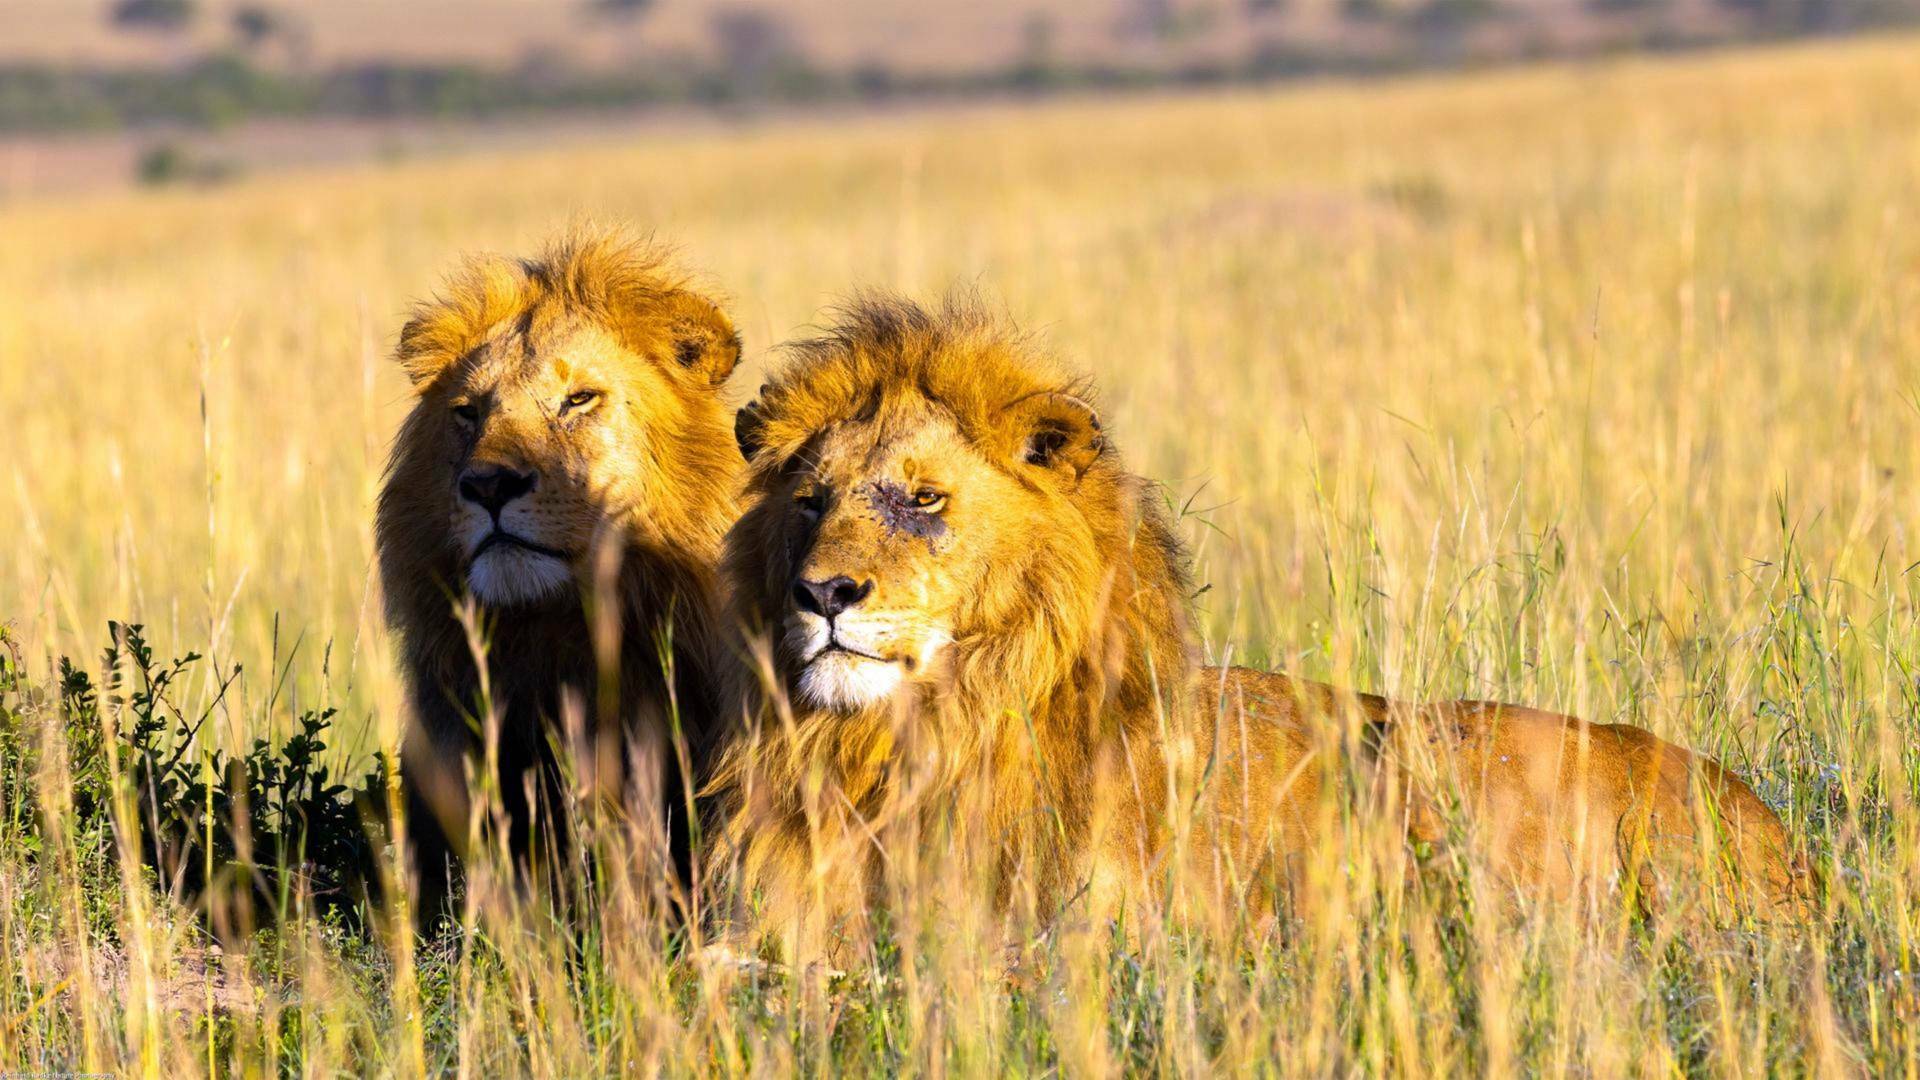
point(748, 426)
point(704, 340)
point(419, 357)
point(1059, 430)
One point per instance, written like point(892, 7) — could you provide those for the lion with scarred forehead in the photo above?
point(565, 477)
point(974, 626)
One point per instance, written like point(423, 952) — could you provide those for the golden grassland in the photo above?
point(1595, 388)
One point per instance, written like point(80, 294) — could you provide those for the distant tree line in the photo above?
point(754, 58)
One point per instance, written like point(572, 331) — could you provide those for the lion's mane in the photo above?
point(667, 650)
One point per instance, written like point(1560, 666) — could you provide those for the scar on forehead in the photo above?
point(893, 505)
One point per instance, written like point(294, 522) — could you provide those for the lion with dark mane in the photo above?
point(556, 501)
point(976, 620)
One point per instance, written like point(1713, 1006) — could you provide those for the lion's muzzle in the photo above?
point(508, 565)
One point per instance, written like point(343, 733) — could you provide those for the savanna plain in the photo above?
point(1589, 387)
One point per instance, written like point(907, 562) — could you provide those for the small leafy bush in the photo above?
point(122, 766)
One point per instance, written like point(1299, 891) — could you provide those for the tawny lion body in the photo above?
point(568, 454)
point(1559, 807)
point(979, 627)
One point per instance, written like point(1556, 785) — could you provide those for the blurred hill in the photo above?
point(202, 67)
point(903, 36)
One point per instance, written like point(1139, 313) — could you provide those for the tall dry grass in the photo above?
point(1593, 388)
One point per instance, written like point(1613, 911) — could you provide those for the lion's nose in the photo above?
point(494, 487)
point(829, 598)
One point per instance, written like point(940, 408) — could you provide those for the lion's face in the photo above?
point(567, 407)
point(898, 524)
point(545, 430)
point(906, 539)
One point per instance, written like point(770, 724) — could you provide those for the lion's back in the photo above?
point(1567, 806)
point(1557, 805)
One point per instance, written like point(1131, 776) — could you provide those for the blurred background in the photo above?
point(104, 92)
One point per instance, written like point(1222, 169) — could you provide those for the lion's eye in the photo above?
point(812, 501)
point(579, 399)
point(467, 412)
point(929, 501)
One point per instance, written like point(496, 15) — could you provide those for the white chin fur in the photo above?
point(507, 576)
point(844, 682)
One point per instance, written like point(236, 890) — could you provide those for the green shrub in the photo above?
point(241, 838)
